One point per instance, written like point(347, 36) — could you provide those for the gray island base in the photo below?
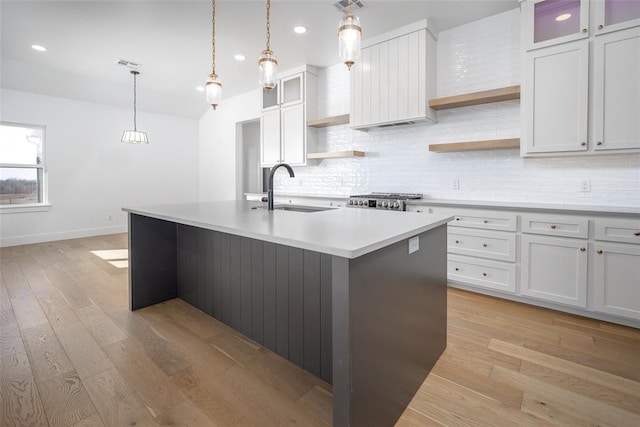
point(370, 319)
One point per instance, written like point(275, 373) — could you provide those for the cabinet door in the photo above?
point(617, 90)
point(555, 269)
point(270, 138)
point(617, 279)
point(551, 22)
point(614, 15)
point(271, 98)
point(291, 90)
point(293, 135)
point(555, 99)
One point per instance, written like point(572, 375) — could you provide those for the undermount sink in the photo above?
point(297, 208)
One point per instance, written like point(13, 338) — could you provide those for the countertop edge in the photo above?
point(350, 254)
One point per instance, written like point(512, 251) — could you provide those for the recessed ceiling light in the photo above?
point(200, 89)
point(239, 57)
point(563, 17)
point(300, 29)
point(38, 48)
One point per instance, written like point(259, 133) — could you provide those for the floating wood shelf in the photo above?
point(329, 121)
point(336, 155)
point(492, 144)
point(476, 98)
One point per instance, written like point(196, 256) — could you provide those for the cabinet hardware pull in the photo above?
point(637, 233)
point(583, 143)
point(457, 269)
point(600, 26)
point(600, 251)
point(583, 249)
point(457, 219)
point(584, 30)
point(457, 241)
point(484, 274)
point(484, 245)
point(553, 226)
point(599, 143)
point(485, 221)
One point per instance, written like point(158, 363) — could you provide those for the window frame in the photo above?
point(43, 205)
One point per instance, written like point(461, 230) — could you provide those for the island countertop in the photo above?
point(343, 232)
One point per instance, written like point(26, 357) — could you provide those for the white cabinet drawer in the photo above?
point(481, 272)
point(618, 230)
point(487, 244)
point(556, 226)
point(485, 219)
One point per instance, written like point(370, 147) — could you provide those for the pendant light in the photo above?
point(134, 136)
point(268, 62)
point(213, 86)
point(349, 35)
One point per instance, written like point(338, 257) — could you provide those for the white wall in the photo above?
point(91, 174)
point(220, 144)
point(481, 55)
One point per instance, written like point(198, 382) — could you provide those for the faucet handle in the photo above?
point(264, 199)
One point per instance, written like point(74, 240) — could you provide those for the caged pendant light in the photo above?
point(349, 36)
point(213, 86)
point(268, 62)
point(134, 136)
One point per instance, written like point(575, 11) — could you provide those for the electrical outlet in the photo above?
point(585, 186)
point(109, 217)
point(455, 184)
point(414, 244)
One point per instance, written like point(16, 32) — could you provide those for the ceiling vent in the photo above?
point(342, 5)
point(128, 64)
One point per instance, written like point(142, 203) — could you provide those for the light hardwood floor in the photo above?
point(72, 354)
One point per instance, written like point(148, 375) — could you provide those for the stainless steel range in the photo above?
point(393, 201)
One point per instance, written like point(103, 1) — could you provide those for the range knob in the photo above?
point(379, 204)
point(385, 204)
point(350, 202)
point(361, 202)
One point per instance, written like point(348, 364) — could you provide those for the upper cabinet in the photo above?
point(284, 135)
point(394, 78)
point(580, 92)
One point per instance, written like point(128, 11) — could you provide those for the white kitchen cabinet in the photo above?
point(559, 226)
point(498, 245)
point(550, 22)
point(500, 276)
point(394, 78)
point(618, 230)
point(581, 91)
point(284, 135)
point(555, 99)
point(617, 279)
point(554, 269)
point(617, 90)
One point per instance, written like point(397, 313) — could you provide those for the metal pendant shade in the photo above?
point(267, 61)
point(213, 87)
point(134, 136)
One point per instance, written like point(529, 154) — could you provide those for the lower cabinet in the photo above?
point(617, 279)
point(495, 275)
point(555, 269)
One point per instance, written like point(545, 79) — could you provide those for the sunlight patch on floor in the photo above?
point(119, 258)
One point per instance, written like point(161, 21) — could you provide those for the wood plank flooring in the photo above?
point(72, 354)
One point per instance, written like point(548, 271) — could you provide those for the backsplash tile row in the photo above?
point(477, 56)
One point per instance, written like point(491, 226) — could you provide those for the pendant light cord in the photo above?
point(213, 37)
point(268, 25)
point(135, 127)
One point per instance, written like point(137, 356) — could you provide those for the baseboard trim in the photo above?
point(62, 235)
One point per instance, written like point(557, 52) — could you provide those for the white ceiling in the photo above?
point(172, 41)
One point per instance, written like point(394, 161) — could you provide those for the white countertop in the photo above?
point(344, 232)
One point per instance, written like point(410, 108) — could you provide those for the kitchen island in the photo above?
point(356, 297)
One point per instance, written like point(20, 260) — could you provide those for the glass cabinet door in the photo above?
point(291, 91)
point(556, 21)
point(613, 15)
point(270, 98)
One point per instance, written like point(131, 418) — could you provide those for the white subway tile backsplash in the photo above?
point(477, 56)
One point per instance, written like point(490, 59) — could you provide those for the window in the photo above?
point(22, 166)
